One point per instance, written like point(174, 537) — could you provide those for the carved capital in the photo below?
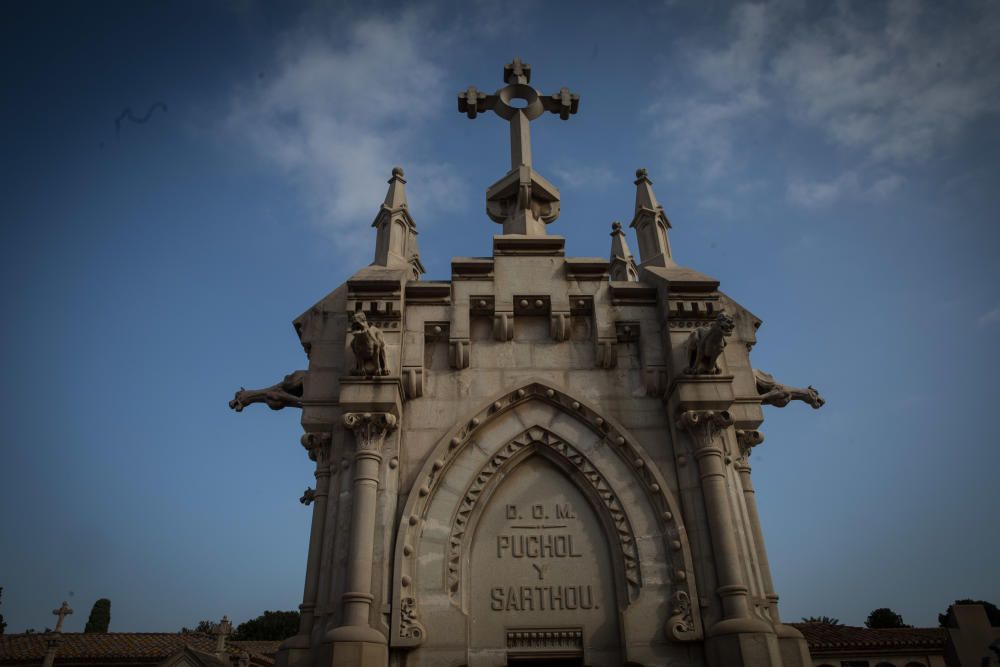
point(748, 439)
point(370, 428)
point(704, 425)
point(318, 446)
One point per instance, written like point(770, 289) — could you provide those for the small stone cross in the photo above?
point(532, 104)
point(62, 612)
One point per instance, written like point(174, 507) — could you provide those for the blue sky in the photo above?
point(836, 166)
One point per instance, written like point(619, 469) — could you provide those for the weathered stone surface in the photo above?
point(542, 457)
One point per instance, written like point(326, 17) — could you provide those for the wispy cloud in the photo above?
point(581, 177)
point(342, 109)
point(990, 317)
point(890, 85)
point(819, 194)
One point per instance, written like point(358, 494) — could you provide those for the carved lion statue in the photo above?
point(706, 344)
point(287, 393)
point(368, 346)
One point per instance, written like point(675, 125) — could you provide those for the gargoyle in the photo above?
point(285, 394)
point(706, 344)
point(368, 346)
point(776, 394)
point(308, 496)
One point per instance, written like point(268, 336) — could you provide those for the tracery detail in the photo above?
point(541, 437)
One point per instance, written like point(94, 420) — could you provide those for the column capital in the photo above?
point(318, 446)
point(704, 425)
point(747, 439)
point(370, 428)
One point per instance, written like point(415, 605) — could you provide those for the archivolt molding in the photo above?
point(684, 625)
point(542, 438)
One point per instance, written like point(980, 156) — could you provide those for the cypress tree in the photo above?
point(100, 616)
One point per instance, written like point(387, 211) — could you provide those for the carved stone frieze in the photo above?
point(705, 344)
point(546, 639)
point(774, 393)
point(287, 393)
point(370, 428)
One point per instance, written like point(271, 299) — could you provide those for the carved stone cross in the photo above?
point(531, 104)
point(522, 201)
point(62, 612)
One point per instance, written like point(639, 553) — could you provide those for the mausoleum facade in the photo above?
point(544, 459)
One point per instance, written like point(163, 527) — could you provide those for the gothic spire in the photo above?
point(650, 224)
point(396, 240)
point(622, 262)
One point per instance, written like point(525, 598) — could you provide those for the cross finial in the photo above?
point(62, 612)
point(529, 202)
point(531, 104)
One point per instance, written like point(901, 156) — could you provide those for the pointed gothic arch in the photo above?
point(607, 463)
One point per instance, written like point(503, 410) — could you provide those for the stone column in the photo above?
point(746, 440)
point(794, 649)
point(318, 446)
point(356, 643)
point(704, 427)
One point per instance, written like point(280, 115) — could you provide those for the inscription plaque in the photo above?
point(537, 560)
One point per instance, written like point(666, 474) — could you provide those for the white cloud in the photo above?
point(818, 194)
point(990, 317)
point(583, 177)
point(892, 89)
point(341, 110)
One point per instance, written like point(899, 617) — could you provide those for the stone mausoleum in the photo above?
point(541, 461)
